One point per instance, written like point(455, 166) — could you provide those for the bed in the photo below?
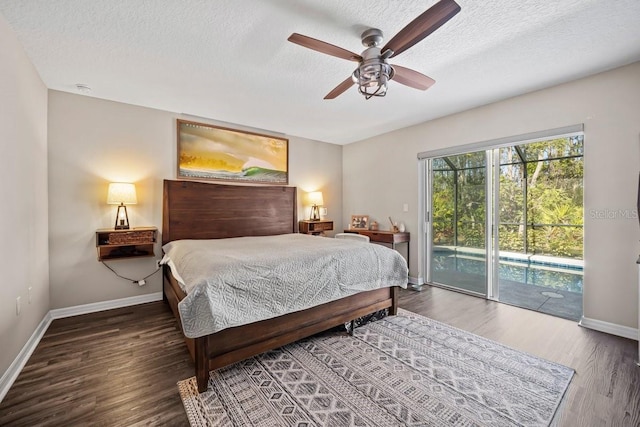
point(199, 211)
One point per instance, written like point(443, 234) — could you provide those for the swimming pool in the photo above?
point(560, 277)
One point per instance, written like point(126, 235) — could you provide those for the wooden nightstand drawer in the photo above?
point(131, 237)
point(119, 244)
point(315, 227)
point(323, 226)
point(376, 236)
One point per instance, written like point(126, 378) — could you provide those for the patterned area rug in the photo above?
point(401, 370)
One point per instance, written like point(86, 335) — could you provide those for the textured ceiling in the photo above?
point(229, 60)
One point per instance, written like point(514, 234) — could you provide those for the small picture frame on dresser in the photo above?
point(359, 222)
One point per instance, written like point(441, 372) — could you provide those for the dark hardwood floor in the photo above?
point(120, 367)
point(113, 368)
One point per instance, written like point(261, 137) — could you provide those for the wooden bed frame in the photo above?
point(195, 210)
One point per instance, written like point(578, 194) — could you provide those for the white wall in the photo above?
point(23, 191)
point(381, 173)
point(93, 142)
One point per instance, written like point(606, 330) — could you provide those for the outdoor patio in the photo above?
point(556, 302)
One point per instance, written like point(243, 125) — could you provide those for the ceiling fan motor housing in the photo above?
point(372, 37)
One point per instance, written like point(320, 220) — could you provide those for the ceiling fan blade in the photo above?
point(425, 24)
point(411, 78)
point(323, 47)
point(342, 87)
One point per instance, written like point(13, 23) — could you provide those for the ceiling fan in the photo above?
point(373, 72)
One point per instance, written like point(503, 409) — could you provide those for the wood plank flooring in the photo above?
point(112, 368)
point(120, 367)
point(605, 390)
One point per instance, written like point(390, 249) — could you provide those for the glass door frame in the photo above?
point(426, 215)
point(493, 219)
point(492, 169)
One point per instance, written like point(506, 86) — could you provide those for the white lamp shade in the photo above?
point(121, 192)
point(315, 198)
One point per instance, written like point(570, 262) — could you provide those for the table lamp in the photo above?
point(121, 194)
point(315, 198)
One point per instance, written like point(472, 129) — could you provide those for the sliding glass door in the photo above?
point(505, 223)
point(540, 226)
point(458, 256)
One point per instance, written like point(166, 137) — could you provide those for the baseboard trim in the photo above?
point(22, 358)
point(416, 281)
point(61, 313)
point(609, 328)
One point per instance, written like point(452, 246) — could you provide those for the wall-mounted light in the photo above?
point(121, 194)
point(315, 199)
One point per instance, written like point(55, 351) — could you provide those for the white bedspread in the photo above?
point(232, 282)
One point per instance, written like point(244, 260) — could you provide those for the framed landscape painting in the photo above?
point(207, 152)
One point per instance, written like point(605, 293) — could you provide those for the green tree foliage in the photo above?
point(443, 208)
point(551, 181)
point(555, 197)
point(459, 198)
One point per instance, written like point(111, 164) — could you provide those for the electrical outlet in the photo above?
point(30, 289)
point(157, 263)
point(323, 211)
point(405, 207)
point(18, 306)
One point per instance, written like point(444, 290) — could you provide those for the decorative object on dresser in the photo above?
point(401, 370)
point(217, 153)
point(394, 226)
point(316, 200)
point(196, 210)
point(121, 194)
point(315, 227)
point(115, 244)
point(359, 222)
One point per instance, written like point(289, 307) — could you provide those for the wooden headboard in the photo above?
point(197, 210)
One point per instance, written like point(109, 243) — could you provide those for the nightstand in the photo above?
point(315, 227)
point(120, 244)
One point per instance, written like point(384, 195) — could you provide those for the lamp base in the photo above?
point(315, 213)
point(122, 221)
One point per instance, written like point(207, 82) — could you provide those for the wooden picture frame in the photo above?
point(359, 222)
point(208, 152)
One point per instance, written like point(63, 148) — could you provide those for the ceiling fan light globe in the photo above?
point(376, 90)
point(372, 77)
